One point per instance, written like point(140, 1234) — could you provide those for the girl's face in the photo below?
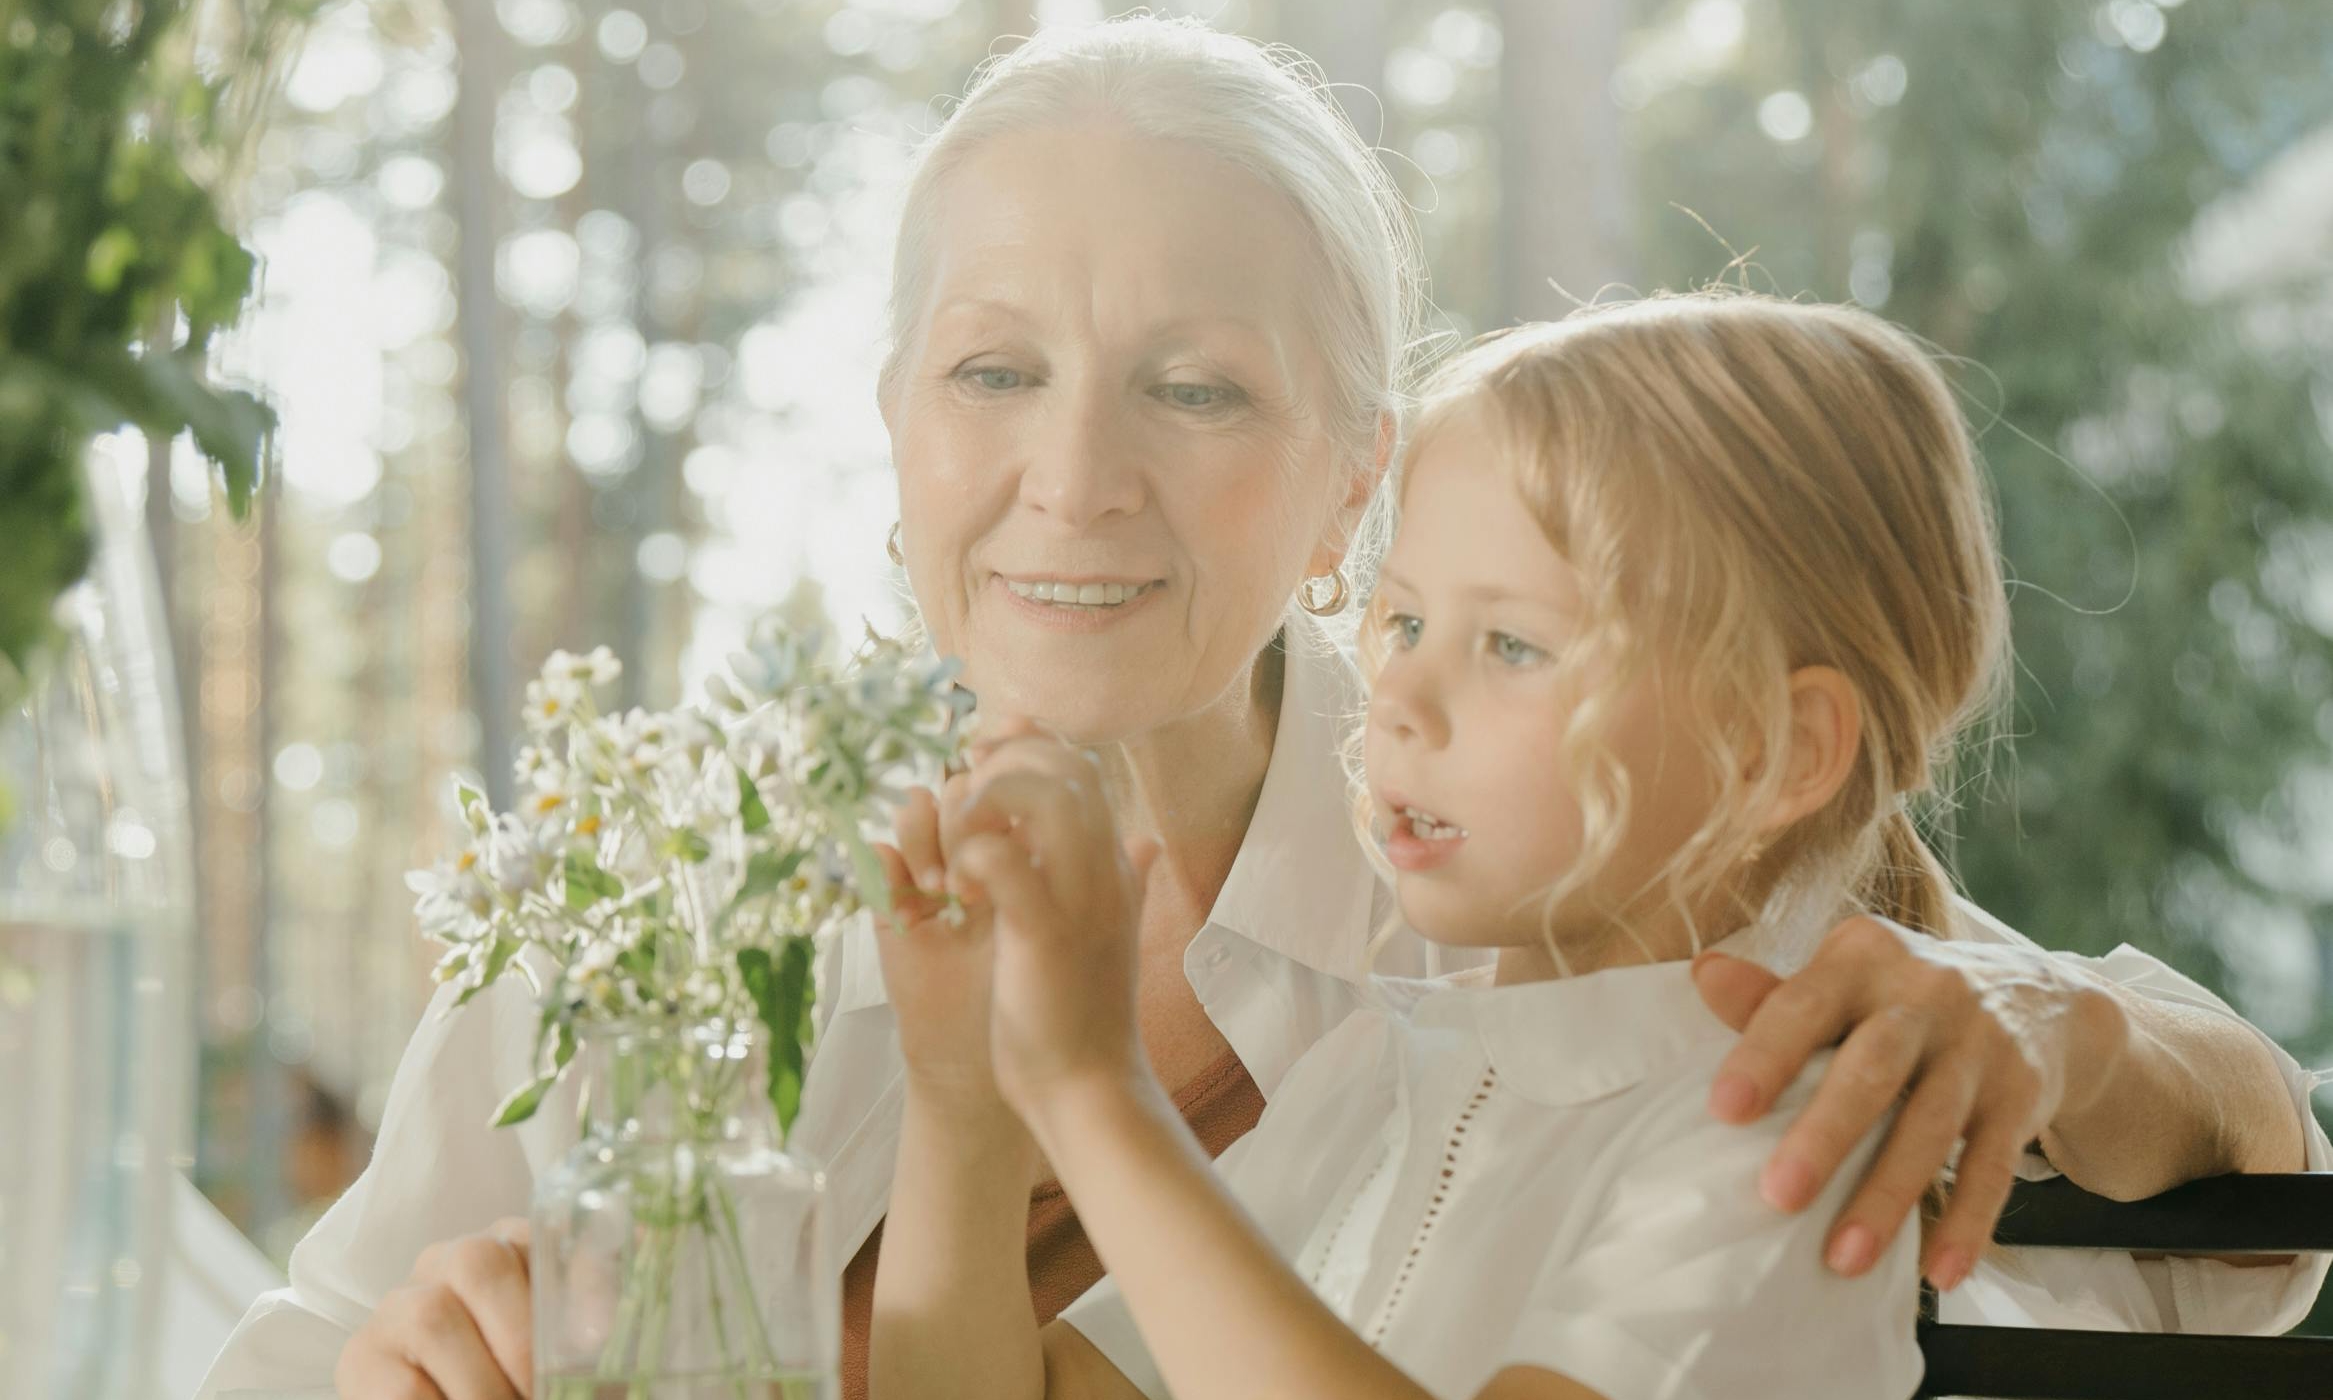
point(1113, 388)
point(1466, 723)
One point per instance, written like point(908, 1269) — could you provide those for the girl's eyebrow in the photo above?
point(1490, 591)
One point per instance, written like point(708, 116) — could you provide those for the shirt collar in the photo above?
point(1301, 885)
point(1571, 1040)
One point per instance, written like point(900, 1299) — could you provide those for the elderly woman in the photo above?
point(1152, 309)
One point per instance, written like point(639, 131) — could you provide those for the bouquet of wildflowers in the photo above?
point(680, 867)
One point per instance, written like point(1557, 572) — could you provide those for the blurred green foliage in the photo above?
point(117, 122)
point(2020, 183)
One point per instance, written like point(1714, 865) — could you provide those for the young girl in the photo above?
point(1687, 595)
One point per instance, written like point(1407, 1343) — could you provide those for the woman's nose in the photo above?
point(1084, 465)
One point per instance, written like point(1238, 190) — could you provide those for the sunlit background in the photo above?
point(573, 312)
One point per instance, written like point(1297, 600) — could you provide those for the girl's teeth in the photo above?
point(1428, 829)
point(1086, 595)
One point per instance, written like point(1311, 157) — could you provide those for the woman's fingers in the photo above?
point(1857, 1088)
point(488, 1275)
point(432, 1331)
point(370, 1368)
point(1801, 1016)
point(1980, 1187)
point(1052, 822)
point(1915, 1151)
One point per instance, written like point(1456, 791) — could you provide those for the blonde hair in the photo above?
point(1748, 486)
point(1265, 110)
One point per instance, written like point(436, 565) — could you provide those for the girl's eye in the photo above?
point(1514, 651)
point(1196, 395)
point(1404, 629)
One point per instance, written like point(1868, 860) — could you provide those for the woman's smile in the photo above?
point(1068, 604)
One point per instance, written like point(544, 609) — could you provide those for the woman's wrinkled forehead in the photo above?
point(1112, 229)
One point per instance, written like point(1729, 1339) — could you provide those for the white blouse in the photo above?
point(1477, 1177)
point(1281, 961)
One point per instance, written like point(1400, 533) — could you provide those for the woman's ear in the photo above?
point(1826, 735)
point(1358, 492)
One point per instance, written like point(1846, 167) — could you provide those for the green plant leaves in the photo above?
point(780, 989)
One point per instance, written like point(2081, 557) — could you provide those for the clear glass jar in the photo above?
point(679, 1252)
point(96, 1059)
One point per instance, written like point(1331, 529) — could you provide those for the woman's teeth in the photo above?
point(1428, 828)
point(1082, 595)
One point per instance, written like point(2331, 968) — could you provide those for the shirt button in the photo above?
point(1216, 957)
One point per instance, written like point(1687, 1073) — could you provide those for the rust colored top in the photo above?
point(1220, 1104)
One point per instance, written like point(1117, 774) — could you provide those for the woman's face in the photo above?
point(1113, 462)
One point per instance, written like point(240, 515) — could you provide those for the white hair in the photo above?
point(1268, 112)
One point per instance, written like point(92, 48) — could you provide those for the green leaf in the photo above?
point(109, 256)
point(874, 886)
point(587, 884)
point(690, 845)
point(497, 959)
point(521, 1105)
point(781, 994)
point(749, 805)
point(764, 873)
point(523, 1102)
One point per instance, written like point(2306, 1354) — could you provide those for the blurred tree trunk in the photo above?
point(477, 200)
point(1564, 193)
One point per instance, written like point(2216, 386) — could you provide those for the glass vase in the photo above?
point(679, 1252)
point(96, 903)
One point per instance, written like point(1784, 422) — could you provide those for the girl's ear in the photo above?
point(1826, 735)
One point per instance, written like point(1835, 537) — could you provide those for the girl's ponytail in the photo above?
point(1907, 883)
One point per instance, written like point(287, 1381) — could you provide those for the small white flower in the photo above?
point(523, 854)
point(551, 705)
point(453, 899)
point(598, 667)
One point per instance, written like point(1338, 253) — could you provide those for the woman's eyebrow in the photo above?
point(972, 306)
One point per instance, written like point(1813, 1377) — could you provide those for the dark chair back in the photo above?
point(2221, 1215)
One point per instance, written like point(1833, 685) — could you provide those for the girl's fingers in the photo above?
point(918, 830)
point(995, 731)
point(910, 904)
point(1052, 820)
point(1006, 878)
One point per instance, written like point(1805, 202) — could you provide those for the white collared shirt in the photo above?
point(1480, 1177)
point(1280, 962)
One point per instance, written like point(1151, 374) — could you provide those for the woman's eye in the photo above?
point(1196, 395)
point(994, 378)
point(1404, 629)
point(1514, 651)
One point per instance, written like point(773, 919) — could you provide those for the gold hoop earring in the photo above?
point(891, 546)
point(1336, 602)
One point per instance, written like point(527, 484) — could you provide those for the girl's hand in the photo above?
point(1034, 839)
point(936, 962)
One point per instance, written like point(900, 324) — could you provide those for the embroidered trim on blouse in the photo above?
point(1433, 1215)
